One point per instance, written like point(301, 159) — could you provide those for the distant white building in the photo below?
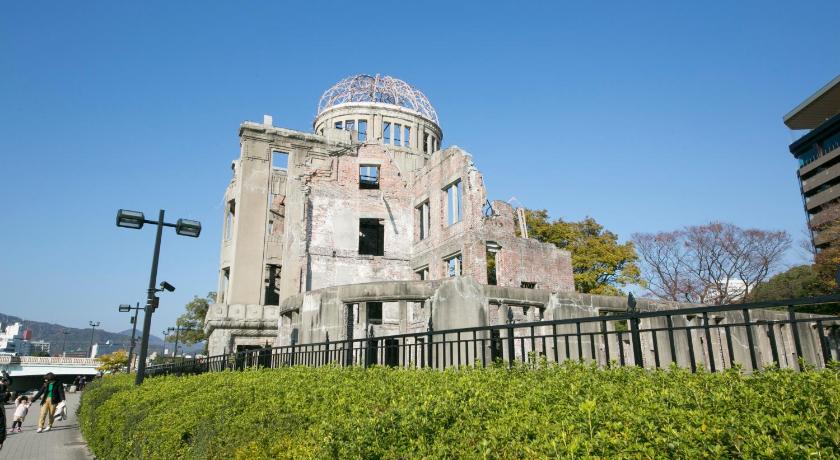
point(15, 339)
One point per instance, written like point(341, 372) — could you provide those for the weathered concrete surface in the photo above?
point(463, 303)
point(295, 227)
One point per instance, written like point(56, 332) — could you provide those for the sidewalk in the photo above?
point(64, 441)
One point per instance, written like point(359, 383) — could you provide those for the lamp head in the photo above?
point(125, 308)
point(130, 219)
point(187, 227)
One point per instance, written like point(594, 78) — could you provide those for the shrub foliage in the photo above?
point(568, 411)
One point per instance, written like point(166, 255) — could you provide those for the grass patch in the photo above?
point(571, 410)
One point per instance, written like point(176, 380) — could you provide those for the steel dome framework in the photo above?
point(380, 89)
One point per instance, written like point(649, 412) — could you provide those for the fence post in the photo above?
point(327, 350)
point(709, 348)
point(429, 330)
point(634, 330)
point(511, 347)
point(292, 356)
point(606, 343)
point(794, 330)
point(750, 340)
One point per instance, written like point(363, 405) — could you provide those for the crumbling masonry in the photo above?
point(367, 226)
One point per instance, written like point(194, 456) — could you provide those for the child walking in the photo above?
point(21, 409)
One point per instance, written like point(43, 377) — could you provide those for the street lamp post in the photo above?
point(126, 308)
point(135, 220)
point(165, 335)
point(93, 325)
point(177, 330)
point(64, 341)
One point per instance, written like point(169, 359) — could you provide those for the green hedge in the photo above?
point(569, 411)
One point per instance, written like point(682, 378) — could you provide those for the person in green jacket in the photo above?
point(51, 393)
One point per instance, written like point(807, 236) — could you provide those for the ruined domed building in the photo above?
point(366, 227)
point(360, 222)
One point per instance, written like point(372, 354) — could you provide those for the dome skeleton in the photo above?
point(381, 89)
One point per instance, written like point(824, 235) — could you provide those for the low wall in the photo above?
point(339, 313)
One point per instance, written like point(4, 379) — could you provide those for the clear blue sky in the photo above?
point(647, 116)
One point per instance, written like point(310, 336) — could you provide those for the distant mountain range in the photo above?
point(78, 340)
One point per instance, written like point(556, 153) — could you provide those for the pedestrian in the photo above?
point(81, 382)
point(51, 393)
point(21, 409)
point(3, 430)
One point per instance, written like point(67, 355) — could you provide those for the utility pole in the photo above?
point(93, 325)
point(64, 342)
point(178, 330)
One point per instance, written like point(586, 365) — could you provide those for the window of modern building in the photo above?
point(339, 125)
point(230, 214)
point(374, 312)
point(371, 237)
point(808, 156)
point(406, 136)
point(831, 143)
point(453, 265)
point(528, 285)
point(422, 273)
point(350, 125)
point(453, 202)
point(362, 130)
point(423, 220)
point(386, 133)
point(397, 134)
point(369, 177)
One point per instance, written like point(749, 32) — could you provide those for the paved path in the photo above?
point(64, 441)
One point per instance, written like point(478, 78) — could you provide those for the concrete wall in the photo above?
point(461, 302)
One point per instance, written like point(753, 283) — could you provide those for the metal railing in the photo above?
point(750, 336)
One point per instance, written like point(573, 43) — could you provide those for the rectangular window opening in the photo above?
point(423, 219)
point(425, 142)
point(386, 133)
point(362, 130)
point(406, 136)
point(223, 289)
point(230, 214)
point(528, 285)
point(492, 249)
point(397, 134)
point(350, 125)
point(453, 202)
point(369, 177)
point(374, 312)
point(454, 265)
point(280, 160)
point(371, 237)
point(272, 285)
point(339, 125)
point(422, 273)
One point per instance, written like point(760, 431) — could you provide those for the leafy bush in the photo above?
point(571, 410)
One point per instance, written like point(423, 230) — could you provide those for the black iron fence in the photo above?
point(751, 336)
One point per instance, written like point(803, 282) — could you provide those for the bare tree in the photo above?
point(715, 263)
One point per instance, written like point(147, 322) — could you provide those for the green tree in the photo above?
point(799, 281)
point(193, 319)
point(113, 362)
point(600, 264)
